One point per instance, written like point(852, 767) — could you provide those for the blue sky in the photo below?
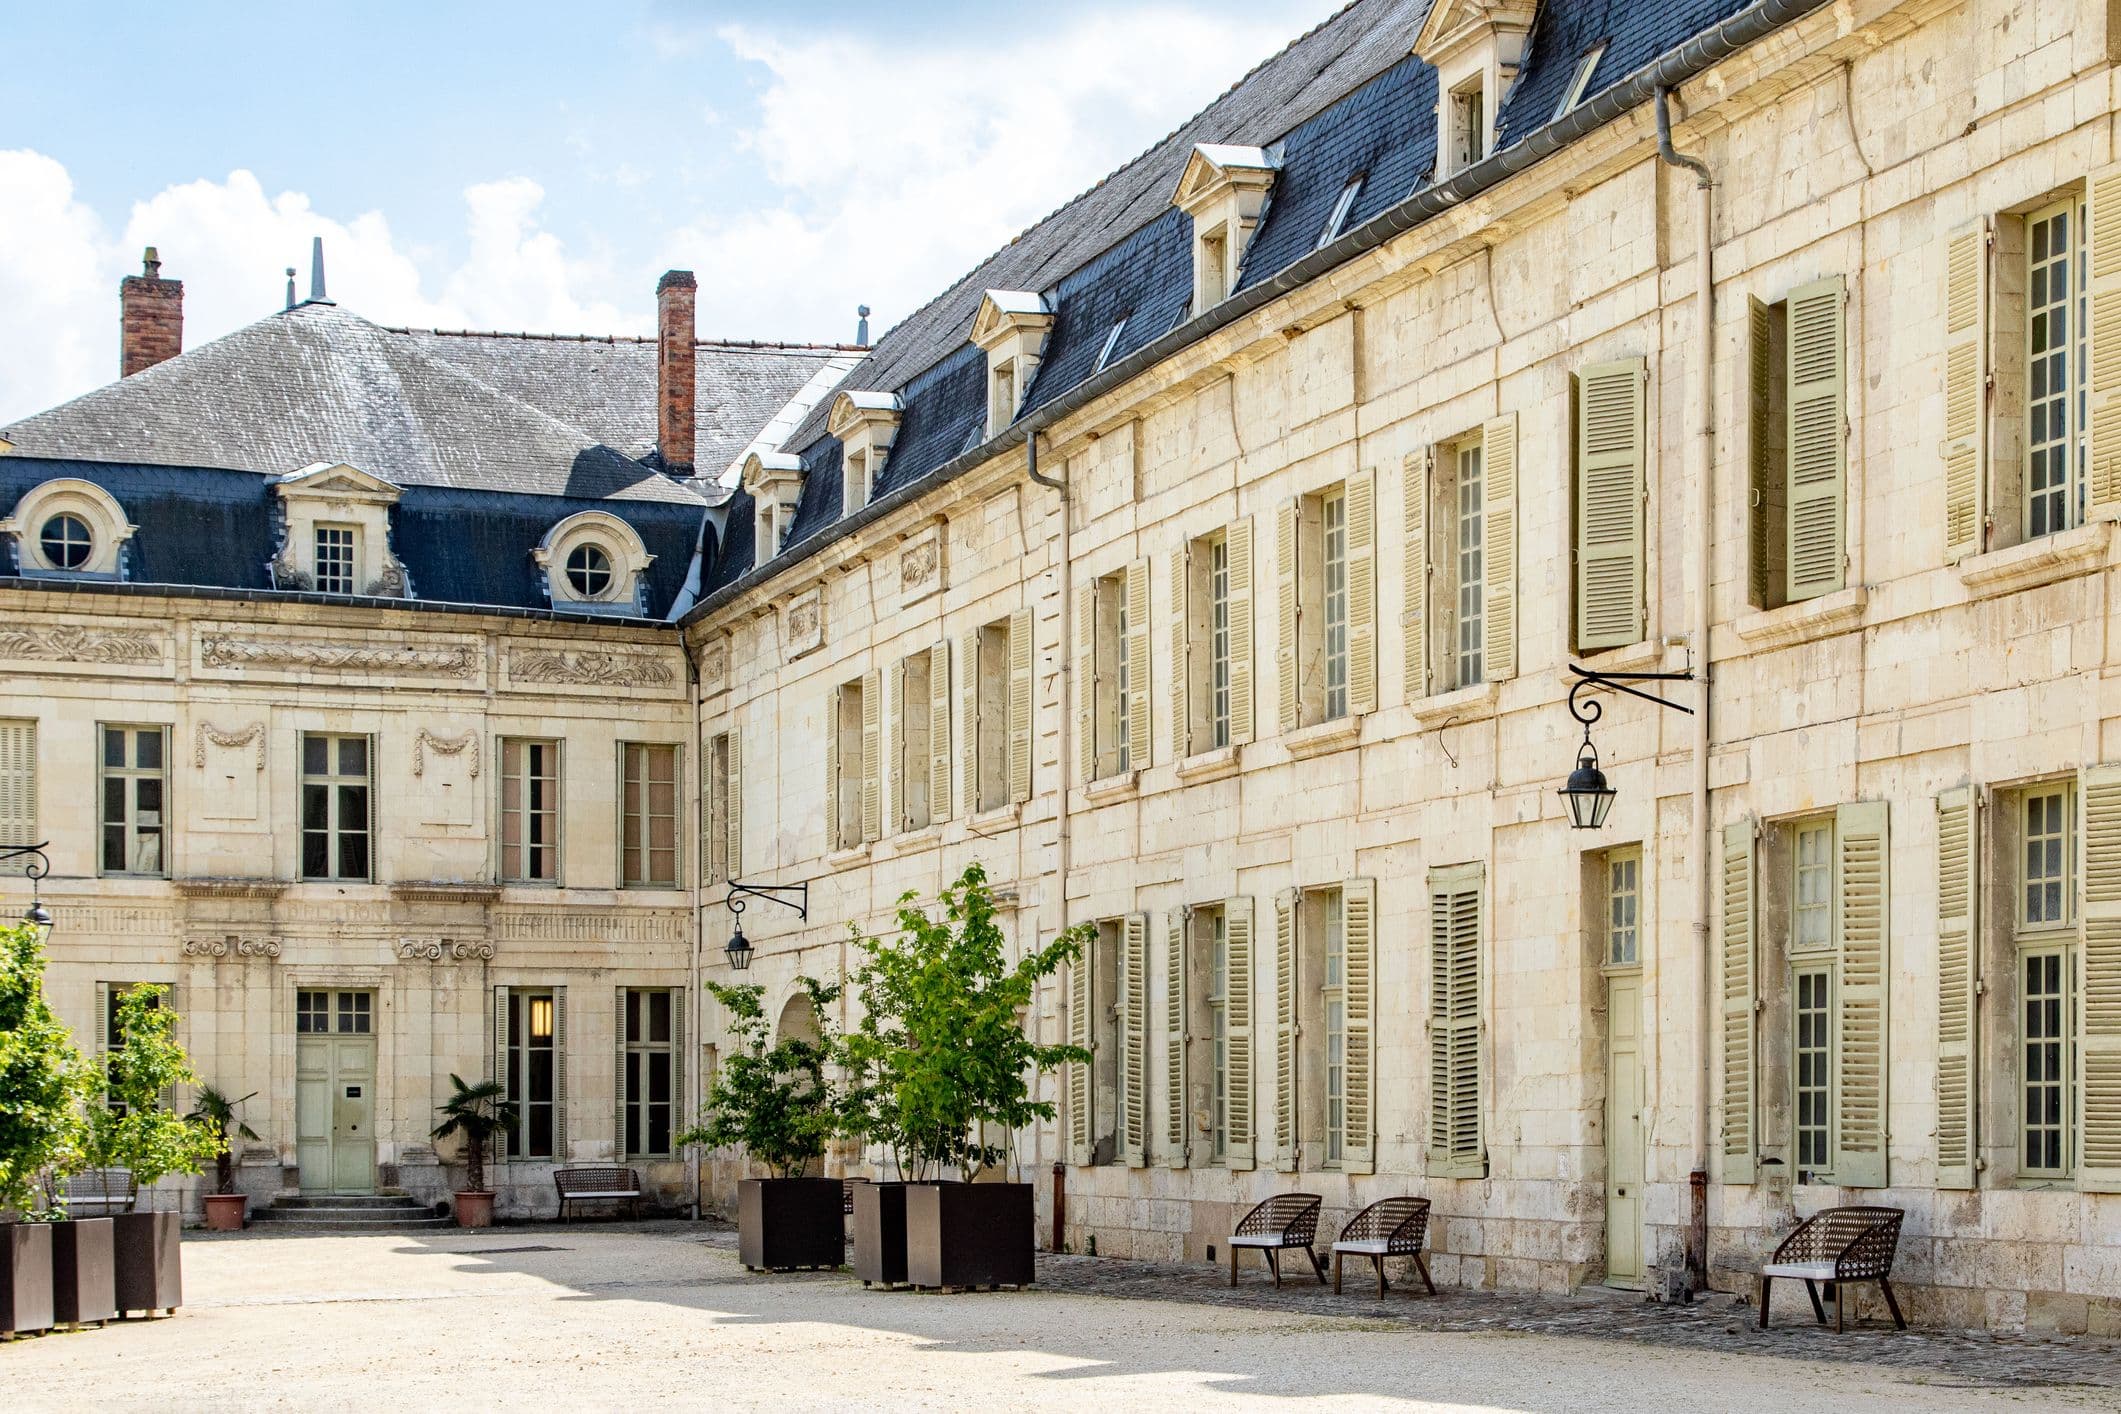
point(534, 166)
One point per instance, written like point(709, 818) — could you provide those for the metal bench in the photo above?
point(1283, 1221)
point(1393, 1227)
point(1838, 1246)
point(98, 1193)
point(598, 1185)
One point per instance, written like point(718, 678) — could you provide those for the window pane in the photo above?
point(353, 756)
point(148, 750)
point(113, 746)
point(316, 755)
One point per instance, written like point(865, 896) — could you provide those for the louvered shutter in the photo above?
point(681, 1109)
point(560, 1150)
point(968, 686)
point(714, 793)
point(1177, 1036)
point(1242, 1142)
point(1181, 645)
point(1609, 479)
point(733, 804)
point(1414, 574)
point(1285, 1032)
point(2103, 391)
point(895, 751)
point(1764, 487)
point(1499, 527)
point(1020, 706)
point(1965, 444)
point(18, 785)
point(1740, 991)
point(1958, 985)
point(1285, 587)
point(1861, 987)
point(1243, 716)
point(102, 1040)
point(872, 757)
point(1139, 688)
point(1358, 936)
point(499, 1051)
point(1455, 1139)
point(1082, 990)
point(1086, 682)
point(619, 1150)
point(939, 731)
point(1362, 591)
point(832, 771)
point(1815, 358)
point(1134, 1041)
point(2099, 992)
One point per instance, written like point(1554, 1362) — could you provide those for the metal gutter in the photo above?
point(1708, 48)
point(126, 589)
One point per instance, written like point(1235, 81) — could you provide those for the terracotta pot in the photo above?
point(474, 1209)
point(783, 1223)
point(224, 1211)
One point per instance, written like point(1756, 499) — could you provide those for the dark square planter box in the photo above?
point(84, 1275)
point(880, 1233)
point(783, 1223)
point(25, 1277)
point(149, 1265)
point(970, 1234)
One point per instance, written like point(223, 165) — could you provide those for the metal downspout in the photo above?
point(1702, 473)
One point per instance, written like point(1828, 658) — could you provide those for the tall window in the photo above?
point(135, 786)
point(649, 1097)
point(114, 1036)
point(530, 811)
point(530, 1066)
point(335, 559)
point(336, 805)
point(1334, 515)
point(845, 763)
point(2056, 350)
point(717, 804)
point(2046, 929)
point(648, 815)
point(1813, 915)
point(1814, 1014)
point(913, 772)
point(1336, 1016)
point(1219, 642)
point(1214, 279)
point(1110, 684)
point(1469, 125)
point(1219, 1030)
point(1623, 871)
point(1468, 549)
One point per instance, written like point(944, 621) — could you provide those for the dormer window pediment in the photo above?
point(774, 481)
point(1224, 189)
point(1011, 326)
point(1476, 48)
point(335, 535)
point(865, 424)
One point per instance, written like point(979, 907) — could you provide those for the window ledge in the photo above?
point(908, 841)
point(445, 891)
point(846, 858)
point(1624, 657)
point(205, 886)
point(1466, 704)
point(1807, 620)
point(1209, 765)
point(2037, 562)
point(1326, 737)
point(1110, 788)
point(993, 822)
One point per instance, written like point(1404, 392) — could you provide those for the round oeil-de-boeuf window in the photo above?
point(589, 571)
point(66, 541)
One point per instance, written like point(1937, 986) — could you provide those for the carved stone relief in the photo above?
point(72, 644)
point(804, 630)
point(234, 946)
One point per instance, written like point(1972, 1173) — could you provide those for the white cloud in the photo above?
point(58, 299)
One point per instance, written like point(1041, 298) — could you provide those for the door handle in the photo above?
point(1620, 1193)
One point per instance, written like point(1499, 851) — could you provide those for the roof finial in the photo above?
point(290, 287)
point(861, 329)
point(316, 272)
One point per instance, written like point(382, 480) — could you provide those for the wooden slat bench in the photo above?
point(1837, 1247)
point(598, 1185)
point(98, 1193)
point(1392, 1227)
point(1283, 1221)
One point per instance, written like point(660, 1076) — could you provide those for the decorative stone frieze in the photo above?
point(232, 739)
point(444, 950)
point(424, 741)
point(73, 644)
point(589, 668)
point(220, 650)
point(235, 946)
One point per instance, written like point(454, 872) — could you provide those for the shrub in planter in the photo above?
point(778, 1102)
point(940, 1066)
point(224, 1206)
point(478, 1112)
point(43, 1081)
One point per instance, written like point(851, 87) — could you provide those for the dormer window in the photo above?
point(1475, 46)
point(336, 533)
point(594, 563)
point(68, 526)
point(1469, 124)
point(774, 481)
point(1011, 326)
point(865, 424)
point(1224, 189)
point(1342, 205)
point(338, 552)
point(589, 571)
point(1580, 81)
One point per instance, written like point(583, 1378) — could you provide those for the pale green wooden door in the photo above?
point(313, 1066)
point(353, 1106)
point(1624, 1139)
point(335, 1092)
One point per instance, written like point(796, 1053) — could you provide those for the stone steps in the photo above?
point(384, 1211)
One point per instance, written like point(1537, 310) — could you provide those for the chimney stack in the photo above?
point(150, 317)
point(675, 334)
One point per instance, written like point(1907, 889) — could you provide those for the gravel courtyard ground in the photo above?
point(660, 1315)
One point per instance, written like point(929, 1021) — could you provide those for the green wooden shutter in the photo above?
point(733, 804)
point(1958, 985)
point(1414, 575)
point(1243, 714)
point(499, 1065)
point(1764, 500)
point(1285, 1025)
point(1138, 723)
point(872, 757)
point(1609, 495)
point(1239, 1092)
point(1966, 344)
point(560, 1150)
point(1286, 714)
point(1177, 1037)
point(1362, 590)
point(1082, 993)
point(618, 1076)
point(1086, 682)
point(1741, 996)
point(1498, 481)
point(895, 750)
point(939, 731)
point(968, 690)
point(1134, 1040)
point(1181, 645)
point(1020, 657)
point(832, 770)
point(1815, 361)
point(680, 1102)
point(1456, 1148)
point(2103, 421)
point(2099, 994)
point(1358, 934)
point(1861, 987)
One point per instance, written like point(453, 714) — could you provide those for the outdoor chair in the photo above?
point(1837, 1247)
point(1283, 1221)
point(98, 1193)
point(1391, 1227)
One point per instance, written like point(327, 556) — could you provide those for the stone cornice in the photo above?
point(444, 891)
point(227, 887)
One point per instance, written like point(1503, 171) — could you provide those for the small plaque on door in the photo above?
point(353, 1092)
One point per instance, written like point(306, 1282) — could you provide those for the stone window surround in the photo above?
point(340, 495)
point(865, 424)
point(95, 507)
point(622, 547)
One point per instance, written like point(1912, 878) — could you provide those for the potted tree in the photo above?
point(778, 1102)
point(224, 1206)
point(137, 1131)
point(43, 1081)
point(940, 1064)
point(478, 1112)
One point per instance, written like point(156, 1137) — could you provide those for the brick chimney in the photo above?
point(675, 333)
point(150, 317)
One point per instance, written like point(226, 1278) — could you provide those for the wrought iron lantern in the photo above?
point(1588, 794)
point(739, 950)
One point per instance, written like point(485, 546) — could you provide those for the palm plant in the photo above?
point(478, 1112)
point(218, 1113)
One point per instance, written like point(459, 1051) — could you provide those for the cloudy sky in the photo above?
point(536, 165)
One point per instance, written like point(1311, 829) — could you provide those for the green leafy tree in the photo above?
point(136, 1130)
point(43, 1079)
point(478, 1112)
point(940, 1056)
point(218, 1113)
point(777, 1100)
